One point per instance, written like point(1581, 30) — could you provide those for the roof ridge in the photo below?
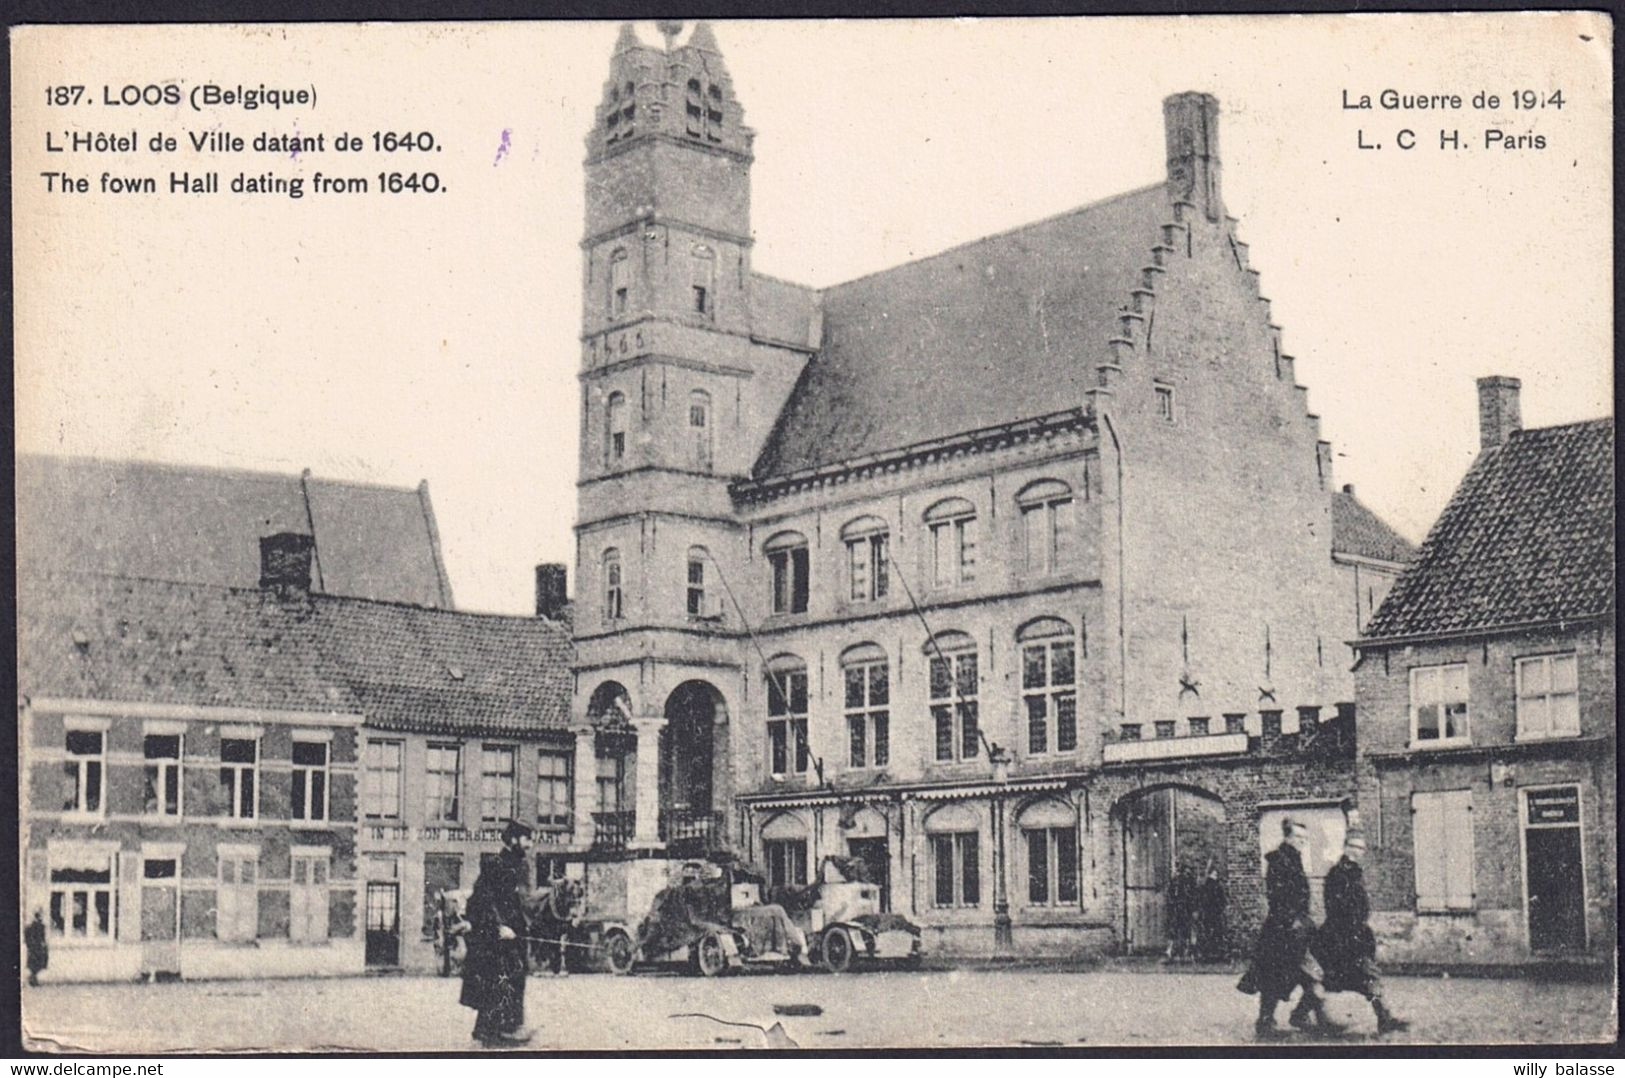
point(91, 460)
point(484, 615)
point(1001, 234)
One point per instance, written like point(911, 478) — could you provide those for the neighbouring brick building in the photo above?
point(1486, 692)
point(996, 569)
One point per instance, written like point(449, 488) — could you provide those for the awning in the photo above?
point(958, 792)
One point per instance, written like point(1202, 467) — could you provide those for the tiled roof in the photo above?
point(400, 666)
point(1357, 530)
point(995, 331)
point(1527, 538)
point(174, 522)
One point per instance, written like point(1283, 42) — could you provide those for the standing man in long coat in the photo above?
point(39, 951)
point(495, 970)
point(1282, 961)
point(1345, 944)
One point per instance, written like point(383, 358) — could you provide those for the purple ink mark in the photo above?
point(502, 150)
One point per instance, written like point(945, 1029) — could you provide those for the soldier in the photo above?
point(39, 952)
point(1210, 917)
point(1282, 961)
point(495, 971)
point(1345, 944)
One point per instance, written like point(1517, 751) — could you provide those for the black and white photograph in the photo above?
point(1036, 534)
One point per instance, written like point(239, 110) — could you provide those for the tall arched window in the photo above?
point(787, 559)
point(615, 429)
point(952, 523)
point(954, 682)
point(1049, 685)
point(866, 558)
point(1046, 525)
point(699, 429)
point(702, 281)
point(611, 578)
point(620, 283)
point(866, 676)
point(787, 715)
point(1049, 832)
point(954, 833)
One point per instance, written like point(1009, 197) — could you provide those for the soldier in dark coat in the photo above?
point(1345, 944)
point(1181, 911)
point(1282, 961)
point(39, 952)
point(495, 971)
point(1210, 917)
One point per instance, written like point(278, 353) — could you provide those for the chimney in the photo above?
point(285, 560)
point(1192, 123)
point(1498, 417)
point(550, 597)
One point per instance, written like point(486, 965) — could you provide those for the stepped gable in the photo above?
point(1527, 538)
point(1358, 531)
point(991, 332)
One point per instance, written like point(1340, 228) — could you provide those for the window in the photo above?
point(1165, 728)
point(1234, 723)
point(787, 716)
point(1442, 824)
point(309, 780)
point(787, 558)
point(1548, 696)
point(702, 270)
point(866, 675)
point(237, 901)
point(381, 780)
point(442, 782)
point(697, 556)
point(1048, 685)
point(1199, 727)
point(82, 771)
point(1129, 731)
point(699, 429)
point(953, 688)
point(81, 899)
point(497, 783)
point(239, 760)
point(555, 790)
point(158, 868)
point(866, 559)
point(953, 542)
point(786, 862)
point(620, 283)
point(611, 781)
point(162, 787)
point(307, 900)
point(1439, 703)
point(620, 117)
point(956, 869)
point(1046, 526)
point(1165, 403)
point(615, 429)
point(704, 112)
point(612, 585)
point(1052, 865)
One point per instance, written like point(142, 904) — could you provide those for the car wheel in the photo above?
point(709, 957)
point(620, 950)
point(837, 950)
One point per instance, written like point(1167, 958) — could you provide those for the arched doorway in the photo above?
point(615, 761)
point(1171, 837)
point(692, 771)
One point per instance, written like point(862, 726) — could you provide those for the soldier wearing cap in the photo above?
point(1345, 944)
point(1282, 962)
point(495, 971)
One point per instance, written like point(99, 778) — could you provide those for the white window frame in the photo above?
point(550, 816)
point(614, 589)
point(789, 725)
point(308, 773)
point(960, 705)
point(432, 801)
point(1443, 802)
point(1522, 666)
point(1052, 865)
point(785, 867)
point(789, 576)
point(61, 895)
point(373, 778)
point(1049, 696)
point(694, 592)
point(957, 840)
point(1049, 509)
point(699, 409)
point(235, 810)
point(952, 524)
point(490, 789)
point(615, 431)
point(155, 773)
point(83, 765)
point(1416, 704)
point(868, 574)
point(237, 903)
point(1166, 405)
point(866, 713)
point(310, 876)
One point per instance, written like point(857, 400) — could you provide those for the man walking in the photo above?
point(495, 971)
point(1282, 961)
point(1345, 944)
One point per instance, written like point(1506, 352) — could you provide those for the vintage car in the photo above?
point(712, 921)
point(844, 924)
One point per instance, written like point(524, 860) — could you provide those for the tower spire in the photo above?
point(628, 39)
point(669, 29)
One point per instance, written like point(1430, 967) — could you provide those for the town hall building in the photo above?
point(1017, 572)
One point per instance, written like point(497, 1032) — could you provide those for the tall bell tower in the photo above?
point(666, 358)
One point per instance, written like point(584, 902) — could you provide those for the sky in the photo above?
point(393, 338)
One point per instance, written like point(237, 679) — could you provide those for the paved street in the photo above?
point(926, 1009)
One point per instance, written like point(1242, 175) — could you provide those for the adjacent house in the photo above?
point(1486, 694)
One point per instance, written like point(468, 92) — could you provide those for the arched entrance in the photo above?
point(615, 762)
point(1171, 837)
point(692, 769)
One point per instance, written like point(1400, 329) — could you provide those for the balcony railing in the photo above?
point(692, 829)
point(613, 830)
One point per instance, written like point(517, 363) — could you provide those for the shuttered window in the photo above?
point(1443, 827)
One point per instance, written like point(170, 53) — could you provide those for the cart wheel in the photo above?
point(837, 950)
point(709, 957)
point(620, 951)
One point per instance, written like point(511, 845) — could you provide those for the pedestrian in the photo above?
point(1345, 944)
point(1210, 917)
point(39, 951)
point(495, 970)
point(1181, 907)
point(1281, 961)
